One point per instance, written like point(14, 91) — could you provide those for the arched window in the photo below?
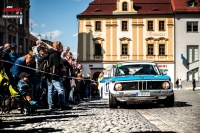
point(124, 6)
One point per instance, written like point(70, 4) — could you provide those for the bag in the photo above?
point(43, 63)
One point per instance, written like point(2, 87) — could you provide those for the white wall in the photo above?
point(182, 39)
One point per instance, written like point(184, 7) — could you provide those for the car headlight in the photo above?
point(118, 87)
point(165, 85)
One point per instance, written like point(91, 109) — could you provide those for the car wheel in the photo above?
point(169, 101)
point(112, 101)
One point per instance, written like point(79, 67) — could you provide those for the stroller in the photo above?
point(11, 99)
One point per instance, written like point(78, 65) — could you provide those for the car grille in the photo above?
point(142, 85)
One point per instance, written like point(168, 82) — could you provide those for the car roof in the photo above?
point(137, 62)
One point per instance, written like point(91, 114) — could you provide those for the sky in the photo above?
point(56, 20)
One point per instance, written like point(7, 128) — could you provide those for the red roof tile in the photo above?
point(153, 8)
point(181, 6)
point(106, 7)
point(100, 7)
point(152, 1)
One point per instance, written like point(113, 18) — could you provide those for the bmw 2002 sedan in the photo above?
point(139, 81)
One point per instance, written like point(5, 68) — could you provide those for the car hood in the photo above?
point(140, 77)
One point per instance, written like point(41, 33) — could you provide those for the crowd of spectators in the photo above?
point(59, 86)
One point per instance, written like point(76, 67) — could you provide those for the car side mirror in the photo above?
point(164, 73)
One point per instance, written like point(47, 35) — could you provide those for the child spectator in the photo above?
point(25, 89)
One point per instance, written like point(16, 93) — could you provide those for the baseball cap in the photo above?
point(23, 74)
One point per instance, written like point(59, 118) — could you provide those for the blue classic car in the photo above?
point(139, 81)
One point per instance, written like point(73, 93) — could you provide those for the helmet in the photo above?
point(13, 46)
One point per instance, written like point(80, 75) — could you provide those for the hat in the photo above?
point(13, 46)
point(23, 74)
point(38, 41)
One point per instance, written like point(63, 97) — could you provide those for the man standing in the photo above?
point(194, 84)
point(66, 50)
point(7, 66)
point(54, 81)
point(13, 54)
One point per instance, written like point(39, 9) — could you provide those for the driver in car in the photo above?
point(147, 69)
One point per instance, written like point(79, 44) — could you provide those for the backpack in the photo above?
point(43, 63)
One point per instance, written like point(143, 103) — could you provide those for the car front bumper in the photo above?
point(131, 96)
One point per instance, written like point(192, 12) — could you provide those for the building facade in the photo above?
point(111, 31)
point(187, 41)
point(15, 30)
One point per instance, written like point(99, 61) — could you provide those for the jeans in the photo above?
point(53, 86)
point(71, 94)
point(36, 82)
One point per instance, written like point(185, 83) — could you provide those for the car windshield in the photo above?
point(137, 69)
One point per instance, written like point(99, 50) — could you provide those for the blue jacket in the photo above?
point(23, 87)
point(16, 70)
point(14, 57)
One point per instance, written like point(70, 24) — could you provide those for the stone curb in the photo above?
point(188, 88)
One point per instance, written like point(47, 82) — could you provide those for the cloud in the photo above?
point(75, 35)
point(43, 25)
point(34, 34)
point(31, 22)
point(49, 35)
point(74, 54)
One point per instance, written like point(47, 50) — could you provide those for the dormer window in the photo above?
point(191, 3)
point(155, 9)
point(98, 10)
point(124, 6)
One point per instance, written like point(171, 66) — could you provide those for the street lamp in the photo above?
point(39, 37)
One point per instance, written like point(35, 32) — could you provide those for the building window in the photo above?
point(1, 8)
point(124, 6)
point(124, 26)
point(150, 25)
point(193, 53)
point(97, 49)
point(191, 3)
point(98, 26)
point(192, 26)
point(124, 49)
point(161, 25)
point(150, 49)
point(193, 74)
point(161, 49)
point(10, 39)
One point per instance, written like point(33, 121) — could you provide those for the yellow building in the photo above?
point(111, 31)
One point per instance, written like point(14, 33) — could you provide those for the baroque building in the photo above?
point(15, 30)
point(187, 41)
point(112, 31)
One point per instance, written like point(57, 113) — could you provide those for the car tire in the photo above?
point(112, 101)
point(169, 101)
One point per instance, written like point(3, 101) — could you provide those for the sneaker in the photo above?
point(66, 108)
point(32, 102)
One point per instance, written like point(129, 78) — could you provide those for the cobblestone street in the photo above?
point(95, 116)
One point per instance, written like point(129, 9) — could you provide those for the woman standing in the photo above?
point(99, 79)
point(67, 72)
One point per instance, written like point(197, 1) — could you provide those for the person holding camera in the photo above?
point(67, 73)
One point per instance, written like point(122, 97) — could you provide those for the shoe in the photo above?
point(66, 108)
point(33, 102)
